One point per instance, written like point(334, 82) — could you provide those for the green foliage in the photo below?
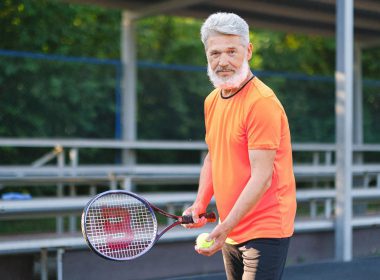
point(27, 226)
point(44, 98)
point(171, 101)
point(370, 65)
point(278, 51)
point(41, 98)
point(371, 111)
point(170, 40)
point(59, 28)
point(56, 99)
point(309, 106)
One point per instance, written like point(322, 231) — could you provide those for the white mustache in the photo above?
point(232, 81)
point(224, 70)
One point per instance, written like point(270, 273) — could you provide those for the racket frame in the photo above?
point(187, 219)
point(110, 192)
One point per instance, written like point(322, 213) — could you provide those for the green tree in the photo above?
point(63, 99)
point(45, 98)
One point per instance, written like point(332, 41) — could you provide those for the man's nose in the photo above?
point(223, 60)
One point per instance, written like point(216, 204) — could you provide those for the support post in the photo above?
point(344, 136)
point(60, 253)
point(358, 101)
point(60, 190)
point(128, 85)
point(44, 264)
point(74, 160)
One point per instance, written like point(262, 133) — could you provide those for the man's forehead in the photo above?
point(223, 41)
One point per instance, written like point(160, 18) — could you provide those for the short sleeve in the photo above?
point(264, 124)
point(205, 120)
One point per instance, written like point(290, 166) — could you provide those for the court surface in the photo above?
point(364, 268)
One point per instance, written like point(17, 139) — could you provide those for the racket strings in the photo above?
point(120, 226)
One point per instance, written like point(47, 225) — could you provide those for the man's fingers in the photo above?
point(206, 251)
point(195, 217)
point(201, 222)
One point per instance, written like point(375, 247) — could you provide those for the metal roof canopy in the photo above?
point(340, 18)
point(299, 16)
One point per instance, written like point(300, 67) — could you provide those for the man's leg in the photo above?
point(233, 262)
point(264, 258)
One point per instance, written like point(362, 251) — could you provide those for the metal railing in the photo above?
point(319, 167)
point(316, 203)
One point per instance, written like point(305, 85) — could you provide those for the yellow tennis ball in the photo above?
point(201, 241)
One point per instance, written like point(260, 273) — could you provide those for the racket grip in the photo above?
point(188, 219)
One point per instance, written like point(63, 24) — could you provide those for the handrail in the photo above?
point(156, 144)
point(357, 193)
point(173, 170)
point(138, 144)
point(68, 204)
point(103, 143)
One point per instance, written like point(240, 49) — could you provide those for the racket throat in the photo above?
point(167, 228)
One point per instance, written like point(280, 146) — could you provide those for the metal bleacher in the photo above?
point(315, 174)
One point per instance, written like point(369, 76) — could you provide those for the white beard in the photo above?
point(233, 81)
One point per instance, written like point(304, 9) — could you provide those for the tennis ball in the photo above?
point(201, 241)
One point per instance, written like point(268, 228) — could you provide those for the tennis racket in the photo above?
point(120, 225)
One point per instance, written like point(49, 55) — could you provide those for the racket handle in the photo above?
point(188, 219)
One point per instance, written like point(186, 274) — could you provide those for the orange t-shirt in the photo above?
point(253, 119)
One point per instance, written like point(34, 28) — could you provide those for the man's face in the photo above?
point(227, 60)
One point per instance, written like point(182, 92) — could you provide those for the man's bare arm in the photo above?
point(261, 162)
point(204, 195)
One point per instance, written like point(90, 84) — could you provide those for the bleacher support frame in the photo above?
point(40, 172)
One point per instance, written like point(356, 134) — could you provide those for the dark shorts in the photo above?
point(257, 259)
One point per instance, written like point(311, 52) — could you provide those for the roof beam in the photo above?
point(258, 19)
point(164, 6)
point(295, 12)
point(114, 4)
point(368, 5)
point(268, 16)
point(280, 10)
point(133, 7)
point(268, 24)
point(365, 5)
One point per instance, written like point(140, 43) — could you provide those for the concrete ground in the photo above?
point(363, 269)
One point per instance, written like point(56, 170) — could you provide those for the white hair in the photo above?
point(225, 23)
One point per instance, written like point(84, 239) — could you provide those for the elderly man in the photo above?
point(248, 168)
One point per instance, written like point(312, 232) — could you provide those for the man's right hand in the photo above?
point(195, 211)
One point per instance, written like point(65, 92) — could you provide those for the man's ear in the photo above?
point(249, 51)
